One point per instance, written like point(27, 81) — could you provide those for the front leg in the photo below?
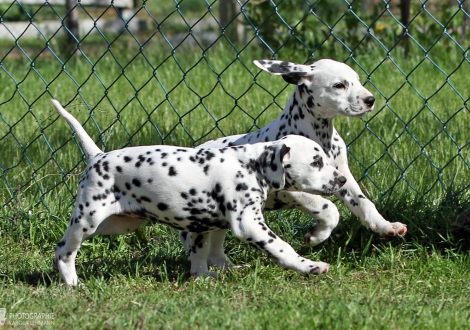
point(351, 196)
point(324, 211)
point(249, 226)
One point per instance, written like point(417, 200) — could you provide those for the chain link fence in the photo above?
point(180, 72)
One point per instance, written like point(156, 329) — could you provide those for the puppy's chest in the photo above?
point(336, 152)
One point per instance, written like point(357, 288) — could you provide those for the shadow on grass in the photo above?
point(441, 225)
point(36, 278)
point(159, 266)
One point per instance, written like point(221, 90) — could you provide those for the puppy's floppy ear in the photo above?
point(284, 153)
point(271, 164)
point(292, 73)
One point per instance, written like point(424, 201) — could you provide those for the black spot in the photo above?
point(127, 159)
point(162, 206)
point(310, 103)
point(209, 155)
point(260, 244)
point(119, 169)
point(136, 182)
point(172, 171)
point(241, 186)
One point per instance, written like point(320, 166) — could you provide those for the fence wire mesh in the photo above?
point(181, 72)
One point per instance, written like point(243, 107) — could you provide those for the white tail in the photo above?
point(89, 146)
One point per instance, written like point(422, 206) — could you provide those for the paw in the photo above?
point(220, 262)
point(315, 236)
point(319, 268)
point(77, 284)
point(397, 229)
point(73, 282)
point(203, 275)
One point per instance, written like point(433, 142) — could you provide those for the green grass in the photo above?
point(147, 285)
point(411, 156)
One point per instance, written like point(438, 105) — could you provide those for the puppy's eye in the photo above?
point(317, 162)
point(339, 86)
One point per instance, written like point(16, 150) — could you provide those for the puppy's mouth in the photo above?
point(362, 114)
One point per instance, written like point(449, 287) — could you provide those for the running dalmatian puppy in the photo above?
point(201, 190)
point(324, 90)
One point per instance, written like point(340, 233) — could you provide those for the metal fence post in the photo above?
point(227, 10)
point(71, 22)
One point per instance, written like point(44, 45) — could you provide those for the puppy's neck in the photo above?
point(301, 117)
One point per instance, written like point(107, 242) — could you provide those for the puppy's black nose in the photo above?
point(369, 101)
point(342, 180)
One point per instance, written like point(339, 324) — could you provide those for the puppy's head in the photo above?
point(305, 167)
point(327, 88)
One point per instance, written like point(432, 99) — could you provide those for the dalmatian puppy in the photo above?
point(324, 90)
point(200, 191)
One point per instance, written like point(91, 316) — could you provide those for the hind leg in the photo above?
point(84, 224)
point(66, 252)
point(217, 256)
point(198, 253)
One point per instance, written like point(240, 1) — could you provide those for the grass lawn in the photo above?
point(411, 156)
point(398, 286)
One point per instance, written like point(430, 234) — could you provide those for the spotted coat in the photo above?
point(200, 191)
point(324, 90)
